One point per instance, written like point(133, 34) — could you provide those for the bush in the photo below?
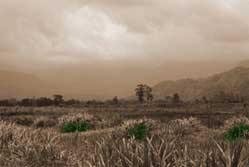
point(24, 121)
point(45, 122)
point(76, 127)
point(139, 131)
point(237, 132)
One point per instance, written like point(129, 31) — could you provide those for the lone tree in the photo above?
point(204, 99)
point(144, 92)
point(140, 93)
point(58, 99)
point(150, 97)
point(115, 100)
point(176, 98)
point(148, 91)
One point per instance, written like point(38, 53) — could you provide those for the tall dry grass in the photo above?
point(177, 143)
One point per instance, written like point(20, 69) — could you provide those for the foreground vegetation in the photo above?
point(120, 137)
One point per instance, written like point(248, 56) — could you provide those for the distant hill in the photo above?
point(17, 85)
point(234, 81)
point(244, 63)
point(21, 85)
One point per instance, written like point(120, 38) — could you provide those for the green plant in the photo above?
point(76, 127)
point(139, 131)
point(237, 132)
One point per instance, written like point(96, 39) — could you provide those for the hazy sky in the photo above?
point(72, 31)
point(109, 46)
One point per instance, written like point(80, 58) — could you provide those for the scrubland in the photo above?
point(190, 136)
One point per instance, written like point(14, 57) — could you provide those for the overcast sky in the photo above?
point(70, 31)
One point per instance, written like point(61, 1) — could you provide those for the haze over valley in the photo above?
point(102, 80)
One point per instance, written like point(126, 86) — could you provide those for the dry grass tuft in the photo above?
point(235, 120)
point(75, 118)
point(29, 148)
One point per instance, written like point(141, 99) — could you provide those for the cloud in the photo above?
point(79, 30)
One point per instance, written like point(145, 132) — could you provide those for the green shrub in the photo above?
point(76, 127)
point(237, 132)
point(139, 131)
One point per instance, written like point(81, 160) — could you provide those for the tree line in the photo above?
point(56, 100)
point(143, 94)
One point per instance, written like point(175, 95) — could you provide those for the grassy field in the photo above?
point(185, 136)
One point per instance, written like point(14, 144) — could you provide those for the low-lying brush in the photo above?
point(118, 142)
point(237, 132)
point(76, 127)
point(139, 131)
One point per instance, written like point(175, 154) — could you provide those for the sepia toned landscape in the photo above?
point(112, 83)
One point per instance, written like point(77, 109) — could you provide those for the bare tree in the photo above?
point(144, 92)
point(176, 98)
point(148, 92)
point(140, 93)
point(115, 100)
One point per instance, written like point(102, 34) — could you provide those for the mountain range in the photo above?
point(234, 81)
